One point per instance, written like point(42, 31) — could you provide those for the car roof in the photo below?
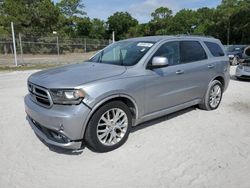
point(165, 37)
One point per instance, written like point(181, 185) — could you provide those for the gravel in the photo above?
point(190, 148)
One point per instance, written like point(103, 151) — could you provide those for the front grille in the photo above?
point(40, 95)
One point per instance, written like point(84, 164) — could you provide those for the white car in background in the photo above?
point(243, 69)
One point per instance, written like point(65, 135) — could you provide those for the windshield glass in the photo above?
point(125, 53)
point(235, 48)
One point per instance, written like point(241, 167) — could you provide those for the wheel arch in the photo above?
point(221, 80)
point(128, 100)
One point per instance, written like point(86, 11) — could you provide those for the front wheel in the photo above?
point(213, 96)
point(109, 127)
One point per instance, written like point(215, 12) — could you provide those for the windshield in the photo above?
point(235, 48)
point(125, 53)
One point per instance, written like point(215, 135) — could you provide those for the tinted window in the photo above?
point(215, 49)
point(191, 51)
point(169, 50)
point(236, 48)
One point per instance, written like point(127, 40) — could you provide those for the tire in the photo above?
point(209, 103)
point(103, 127)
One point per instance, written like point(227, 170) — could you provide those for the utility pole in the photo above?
point(113, 36)
point(14, 42)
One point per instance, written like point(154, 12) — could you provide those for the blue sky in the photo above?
point(140, 9)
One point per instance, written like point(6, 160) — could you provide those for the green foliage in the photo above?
point(121, 22)
point(184, 22)
point(35, 17)
point(161, 14)
point(71, 8)
point(98, 29)
point(83, 26)
point(230, 21)
point(161, 20)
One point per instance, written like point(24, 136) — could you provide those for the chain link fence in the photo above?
point(48, 50)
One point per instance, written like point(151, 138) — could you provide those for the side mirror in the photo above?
point(159, 62)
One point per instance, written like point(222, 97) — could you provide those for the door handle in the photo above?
point(211, 66)
point(179, 72)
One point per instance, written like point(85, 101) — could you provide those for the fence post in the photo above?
point(57, 44)
point(21, 47)
point(14, 42)
point(85, 45)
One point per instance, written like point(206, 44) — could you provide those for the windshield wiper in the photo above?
point(100, 58)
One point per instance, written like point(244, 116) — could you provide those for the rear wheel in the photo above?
point(213, 96)
point(109, 127)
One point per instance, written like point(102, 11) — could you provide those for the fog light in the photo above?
point(59, 137)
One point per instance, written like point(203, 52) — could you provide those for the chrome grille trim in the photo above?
point(40, 95)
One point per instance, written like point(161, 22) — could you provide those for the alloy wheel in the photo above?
point(215, 96)
point(112, 126)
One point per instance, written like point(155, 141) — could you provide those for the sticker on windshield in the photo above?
point(145, 44)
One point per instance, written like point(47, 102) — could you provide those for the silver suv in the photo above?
point(129, 82)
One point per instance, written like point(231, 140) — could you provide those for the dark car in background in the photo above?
point(235, 52)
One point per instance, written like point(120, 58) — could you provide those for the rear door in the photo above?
point(198, 67)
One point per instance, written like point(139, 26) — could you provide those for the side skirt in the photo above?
point(167, 111)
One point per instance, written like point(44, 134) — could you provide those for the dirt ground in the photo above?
point(191, 148)
point(29, 59)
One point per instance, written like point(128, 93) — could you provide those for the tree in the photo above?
point(120, 23)
point(83, 26)
point(35, 17)
point(184, 22)
point(71, 8)
point(98, 29)
point(204, 20)
point(240, 23)
point(161, 18)
point(161, 13)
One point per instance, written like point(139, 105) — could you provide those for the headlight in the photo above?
point(67, 96)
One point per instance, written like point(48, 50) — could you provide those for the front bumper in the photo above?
point(61, 125)
point(242, 73)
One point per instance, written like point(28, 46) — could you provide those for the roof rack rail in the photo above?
point(182, 35)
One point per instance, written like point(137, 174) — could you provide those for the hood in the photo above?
point(71, 76)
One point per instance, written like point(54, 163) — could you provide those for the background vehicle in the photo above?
point(235, 53)
point(125, 84)
point(243, 69)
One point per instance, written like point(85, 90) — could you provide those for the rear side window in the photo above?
point(215, 49)
point(191, 51)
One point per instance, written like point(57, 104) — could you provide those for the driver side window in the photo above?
point(169, 50)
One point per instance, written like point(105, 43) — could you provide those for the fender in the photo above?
point(101, 102)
